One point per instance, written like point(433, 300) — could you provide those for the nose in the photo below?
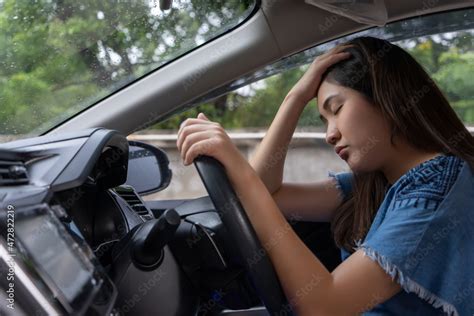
point(332, 135)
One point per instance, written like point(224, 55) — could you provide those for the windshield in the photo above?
point(59, 57)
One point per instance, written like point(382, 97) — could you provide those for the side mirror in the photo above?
point(148, 169)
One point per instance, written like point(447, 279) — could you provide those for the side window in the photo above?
point(442, 43)
point(449, 59)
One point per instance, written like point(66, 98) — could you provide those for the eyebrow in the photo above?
point(326, 106)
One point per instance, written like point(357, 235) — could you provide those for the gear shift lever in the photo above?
point(151, 237)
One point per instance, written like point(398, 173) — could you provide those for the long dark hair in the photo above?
point(417, 111)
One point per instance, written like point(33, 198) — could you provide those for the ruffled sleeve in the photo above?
point(343, 183)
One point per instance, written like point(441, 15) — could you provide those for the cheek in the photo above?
point(366, 126)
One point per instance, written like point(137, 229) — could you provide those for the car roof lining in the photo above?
point(266, 37)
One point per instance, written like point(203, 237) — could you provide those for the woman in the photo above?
point(402, 217)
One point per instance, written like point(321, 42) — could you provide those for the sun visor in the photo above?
point(371, 12)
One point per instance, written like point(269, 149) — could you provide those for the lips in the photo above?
point(339, 148)
point(343, 154)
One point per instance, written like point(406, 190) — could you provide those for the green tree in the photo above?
point(61, 56)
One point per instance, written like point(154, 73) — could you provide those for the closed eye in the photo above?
point(338, 109)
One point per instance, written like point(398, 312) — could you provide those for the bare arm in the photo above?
point(269, 159)
point(311, 202)
point(356, 285)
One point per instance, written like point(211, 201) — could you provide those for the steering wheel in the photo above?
point(234, 218)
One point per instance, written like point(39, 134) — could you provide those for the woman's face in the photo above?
point(357, 124)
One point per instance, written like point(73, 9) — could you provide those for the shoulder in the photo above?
point(431, 180)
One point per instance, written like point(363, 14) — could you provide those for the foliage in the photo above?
point(448, 60)
point(61, 56)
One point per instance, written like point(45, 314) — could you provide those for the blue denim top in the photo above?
point(422, 236)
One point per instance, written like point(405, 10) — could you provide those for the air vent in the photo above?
point(13, 172)
point(127, 193)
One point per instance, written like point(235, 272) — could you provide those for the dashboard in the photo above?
point(64, 210)
point(69, 223)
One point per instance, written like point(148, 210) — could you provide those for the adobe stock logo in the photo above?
point(358, 155)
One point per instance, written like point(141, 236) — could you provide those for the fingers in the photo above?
point(334, 58)
point(192, 139)
point(202, 137)
point(185, 130)
point(202, 116)
point(323, 62)
point(190, 121)
point(339, 48)
point(193, 121)
point(333, 52)
point(193, 131)
point(203, 147)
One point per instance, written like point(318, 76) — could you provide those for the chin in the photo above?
point(358, 166)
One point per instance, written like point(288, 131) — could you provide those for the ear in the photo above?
point(202, 116)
